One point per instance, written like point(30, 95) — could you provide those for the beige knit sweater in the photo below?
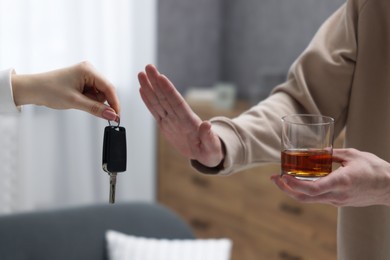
point(344, 73)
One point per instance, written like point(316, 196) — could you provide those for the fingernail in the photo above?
point(109, 114)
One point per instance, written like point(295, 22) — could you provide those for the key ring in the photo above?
point(119, 122)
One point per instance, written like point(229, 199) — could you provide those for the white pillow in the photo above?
point(126, 247)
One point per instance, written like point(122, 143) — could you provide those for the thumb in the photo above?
point(205, 132)
point(208, 138)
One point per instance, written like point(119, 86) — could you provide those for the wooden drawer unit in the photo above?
point(246, 207)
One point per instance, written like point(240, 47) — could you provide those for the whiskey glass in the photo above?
point(307, 146)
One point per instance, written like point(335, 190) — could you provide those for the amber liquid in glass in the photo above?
point(307, 163)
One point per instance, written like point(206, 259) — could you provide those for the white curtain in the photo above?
point(52, 158)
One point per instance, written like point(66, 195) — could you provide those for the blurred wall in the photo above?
point(248, 42)
point(189, 41)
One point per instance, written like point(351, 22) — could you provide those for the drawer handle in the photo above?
point(199, 224)
point(200, 181)
point(295, 210)
point(287, 256)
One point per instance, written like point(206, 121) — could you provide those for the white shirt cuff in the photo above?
point(7, 103)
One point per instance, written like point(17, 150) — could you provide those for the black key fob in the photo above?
point(114, 149)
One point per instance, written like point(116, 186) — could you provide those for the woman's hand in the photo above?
point(363, 179)
point(79, 86)
point(193, 137)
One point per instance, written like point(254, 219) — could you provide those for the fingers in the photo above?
point(344, 155)
point(151, 93)
point(282, 185)
point(334, 181)
point(174, 102)
point(332, 198)
point(156, 86)
point(163, 100)
point(97, 81)
point(153, 90)
point(109, 92)
point(149, 97)
point(312, 188)
point(355, 183)
point(149, 104)
point(95, 108)
point(328, 190)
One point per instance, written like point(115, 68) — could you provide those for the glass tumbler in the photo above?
point(307, 145)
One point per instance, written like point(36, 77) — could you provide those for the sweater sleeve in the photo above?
point(7, 104)
point(319, 82)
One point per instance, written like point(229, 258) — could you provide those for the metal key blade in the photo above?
point(112, 187)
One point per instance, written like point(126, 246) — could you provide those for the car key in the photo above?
point(114, 154)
